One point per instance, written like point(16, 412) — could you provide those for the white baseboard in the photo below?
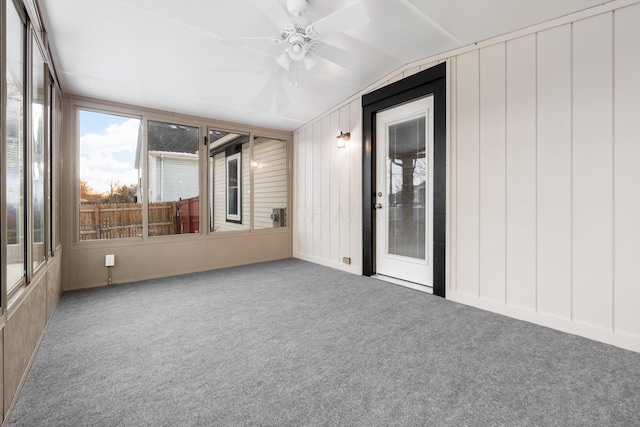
point(618, 339)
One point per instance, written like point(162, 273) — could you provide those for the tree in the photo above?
point(88, 194)
point(120, 193)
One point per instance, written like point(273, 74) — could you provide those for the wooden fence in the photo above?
point(122, 220)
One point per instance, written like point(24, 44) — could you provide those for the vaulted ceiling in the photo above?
point(196, 57)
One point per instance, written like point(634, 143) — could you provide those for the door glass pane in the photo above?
point(14, 162)
point(174, 189)
point(406, 184)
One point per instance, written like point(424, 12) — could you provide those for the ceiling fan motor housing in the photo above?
point(297, 7)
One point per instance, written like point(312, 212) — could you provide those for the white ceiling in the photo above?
point(170, 55)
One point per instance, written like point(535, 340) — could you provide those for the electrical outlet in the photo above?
point(346, 260)
point(109, 260)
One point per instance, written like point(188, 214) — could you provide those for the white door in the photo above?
point(404, 192)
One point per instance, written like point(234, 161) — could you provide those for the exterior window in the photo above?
point(269, 183)
point(110, 206)
point(57, 134)
point(229, 181)
point(38, 168)
point(173, 175)
point(14, 166)
point(234, 195)
point(53, 187)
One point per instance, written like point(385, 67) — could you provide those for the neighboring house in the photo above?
point(173, 162)
point(230, 198)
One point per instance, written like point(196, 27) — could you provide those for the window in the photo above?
point(110, 203)
point(55, 111)
point(15, 147)
point(38, 165)
point(234, 185)
point(173, 174)
point(229, 181)
point(269, 183)
point(235, 175)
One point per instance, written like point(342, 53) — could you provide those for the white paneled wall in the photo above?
point(327, 190)
point(543, 178)
point(548, 188)
point(626, 237)
point(553, 146)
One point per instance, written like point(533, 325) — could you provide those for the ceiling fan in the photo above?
point(304, 43)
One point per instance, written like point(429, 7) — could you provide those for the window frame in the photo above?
point(11, 290)
point(91, 107)
point(182, 124)
point(34, 264)
point(235, 218)
point(71, 236)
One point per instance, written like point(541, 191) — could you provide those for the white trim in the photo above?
point(404, 283)
point(349, 268)
point(593, 332)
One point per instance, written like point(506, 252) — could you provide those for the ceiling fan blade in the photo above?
point(273, 93)
point(274, 11)
point(351, 16)
point(238, 41)
point(309, 60)
point(334, 54)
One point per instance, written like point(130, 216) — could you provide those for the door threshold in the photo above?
point(404, 283)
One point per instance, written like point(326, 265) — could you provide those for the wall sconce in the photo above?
point(342, 139)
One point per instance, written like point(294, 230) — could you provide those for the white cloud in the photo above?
point(109, 157)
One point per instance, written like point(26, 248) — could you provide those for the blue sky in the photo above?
point(107, 149)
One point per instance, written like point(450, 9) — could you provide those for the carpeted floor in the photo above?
point(290, 343)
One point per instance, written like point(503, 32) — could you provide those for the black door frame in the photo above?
point(427, 82)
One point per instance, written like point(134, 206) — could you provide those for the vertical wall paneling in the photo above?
point(592, 171)
point(627, 171)
point(554, 172)
point(411, 71)
point(317, 189)
point(396, 78)
point(302, 203)
point(355, 197)
point(492, 173)
point(428, 65)
point(345, 235)
point(521, 172)
point(298, 194)
point(326, 187)
point(335, 187)
point(308, 172)
point(452, 185)
point(468, 172)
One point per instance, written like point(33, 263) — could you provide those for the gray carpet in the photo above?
point(290, 343)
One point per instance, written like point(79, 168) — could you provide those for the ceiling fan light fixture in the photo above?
point(297, 47)
point(284, 61)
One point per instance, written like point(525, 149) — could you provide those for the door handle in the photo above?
point(377, 206)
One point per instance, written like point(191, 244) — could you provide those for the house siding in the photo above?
point(269, 180)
